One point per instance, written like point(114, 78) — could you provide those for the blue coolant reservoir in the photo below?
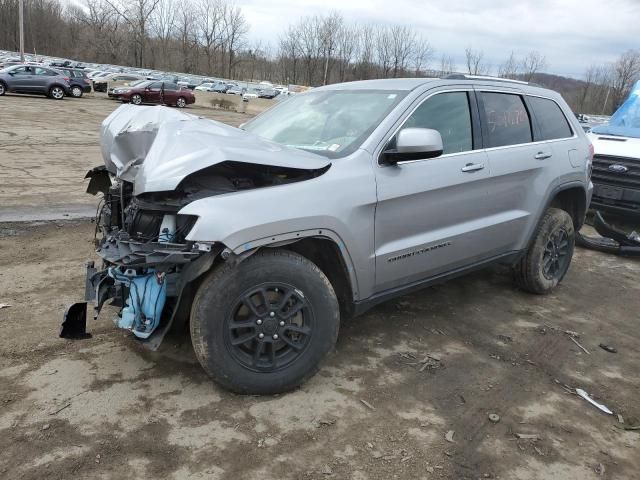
point(147, 295)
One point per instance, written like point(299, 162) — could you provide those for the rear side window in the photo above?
point(551, 121)
point(506, 118)
point(449, 114)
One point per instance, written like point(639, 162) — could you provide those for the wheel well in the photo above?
point(574, 202)
point(326, 255)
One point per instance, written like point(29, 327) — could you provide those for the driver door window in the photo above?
point(449, 114)
point(21, 71)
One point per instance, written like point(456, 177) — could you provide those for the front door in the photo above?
point(433, 215)
point(22, 79)
point(152, 93)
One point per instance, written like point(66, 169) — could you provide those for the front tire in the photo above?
point(264, 325)
point(136, 99)
point(549, 256)
point(56, 92)
point(3, 89)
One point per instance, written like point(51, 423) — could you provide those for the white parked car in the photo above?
point(249, 94)
point(205, 87)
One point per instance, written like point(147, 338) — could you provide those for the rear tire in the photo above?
point(76, 92)
point(56, 92)
point(281, 305)
point(548, 258)
point(181, 103)
point(3, 88)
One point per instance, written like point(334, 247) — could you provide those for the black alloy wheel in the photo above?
point(269, 327)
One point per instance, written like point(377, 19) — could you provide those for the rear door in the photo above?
point(520, 177)
point(170, 93)
point(42, 79)
point(432, 214)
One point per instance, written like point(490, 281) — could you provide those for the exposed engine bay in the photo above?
point(146, 261)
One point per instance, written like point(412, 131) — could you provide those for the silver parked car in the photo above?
point(261, 239)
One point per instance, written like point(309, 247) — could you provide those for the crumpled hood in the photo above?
point(157, 147)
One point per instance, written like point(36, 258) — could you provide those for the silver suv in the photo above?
point(261, 239)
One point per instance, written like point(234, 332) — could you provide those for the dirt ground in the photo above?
point(402, 378)
point(46, 148)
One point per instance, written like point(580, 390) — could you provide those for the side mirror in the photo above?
point(414, 144)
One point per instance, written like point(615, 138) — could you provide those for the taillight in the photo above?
point(66, 79)
point(87, 81)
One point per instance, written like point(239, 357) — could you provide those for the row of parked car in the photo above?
point(52, 82)
point(58, 78)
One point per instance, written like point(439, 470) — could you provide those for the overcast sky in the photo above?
point(570, 33)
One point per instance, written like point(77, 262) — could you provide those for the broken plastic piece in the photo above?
point(612, 240)
point(608, 348)
point(74, 326)
point(599, 406)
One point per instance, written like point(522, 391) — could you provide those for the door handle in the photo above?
point(542, 156)
point(472, 167)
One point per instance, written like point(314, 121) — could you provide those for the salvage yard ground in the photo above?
point(406, 395)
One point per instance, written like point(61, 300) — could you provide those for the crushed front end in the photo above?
point(145, 261)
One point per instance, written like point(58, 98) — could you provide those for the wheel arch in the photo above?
point(572, 198)
point(326, 250)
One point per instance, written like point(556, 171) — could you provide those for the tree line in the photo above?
point(210, 37)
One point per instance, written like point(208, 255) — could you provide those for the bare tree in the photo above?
point(422, 55)
point(136, 14)
point(624, 73)
point(367, 43)
point(347, 46)
point(447, 65)
point(211, 28)
point(384, 50)
point(236, 29)
point(328, 32)
point(475, 64)
point(402, 42)
point(290, 52)
point(185, 32)
point(533, 63)
point(510, 68)
point(162, 24)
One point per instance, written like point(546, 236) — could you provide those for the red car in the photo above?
point(152, 91)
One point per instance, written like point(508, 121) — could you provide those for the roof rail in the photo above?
point(464, 76)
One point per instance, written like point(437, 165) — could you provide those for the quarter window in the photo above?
point(551, 121)
point(449, 114)
point(506, 118)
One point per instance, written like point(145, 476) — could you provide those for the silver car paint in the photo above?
point(455, 218)
point(393, 224)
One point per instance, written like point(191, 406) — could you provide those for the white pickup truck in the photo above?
point(616, 161)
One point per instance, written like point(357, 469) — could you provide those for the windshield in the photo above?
point(332, 123)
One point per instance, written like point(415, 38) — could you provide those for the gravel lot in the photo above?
point(403, 377)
